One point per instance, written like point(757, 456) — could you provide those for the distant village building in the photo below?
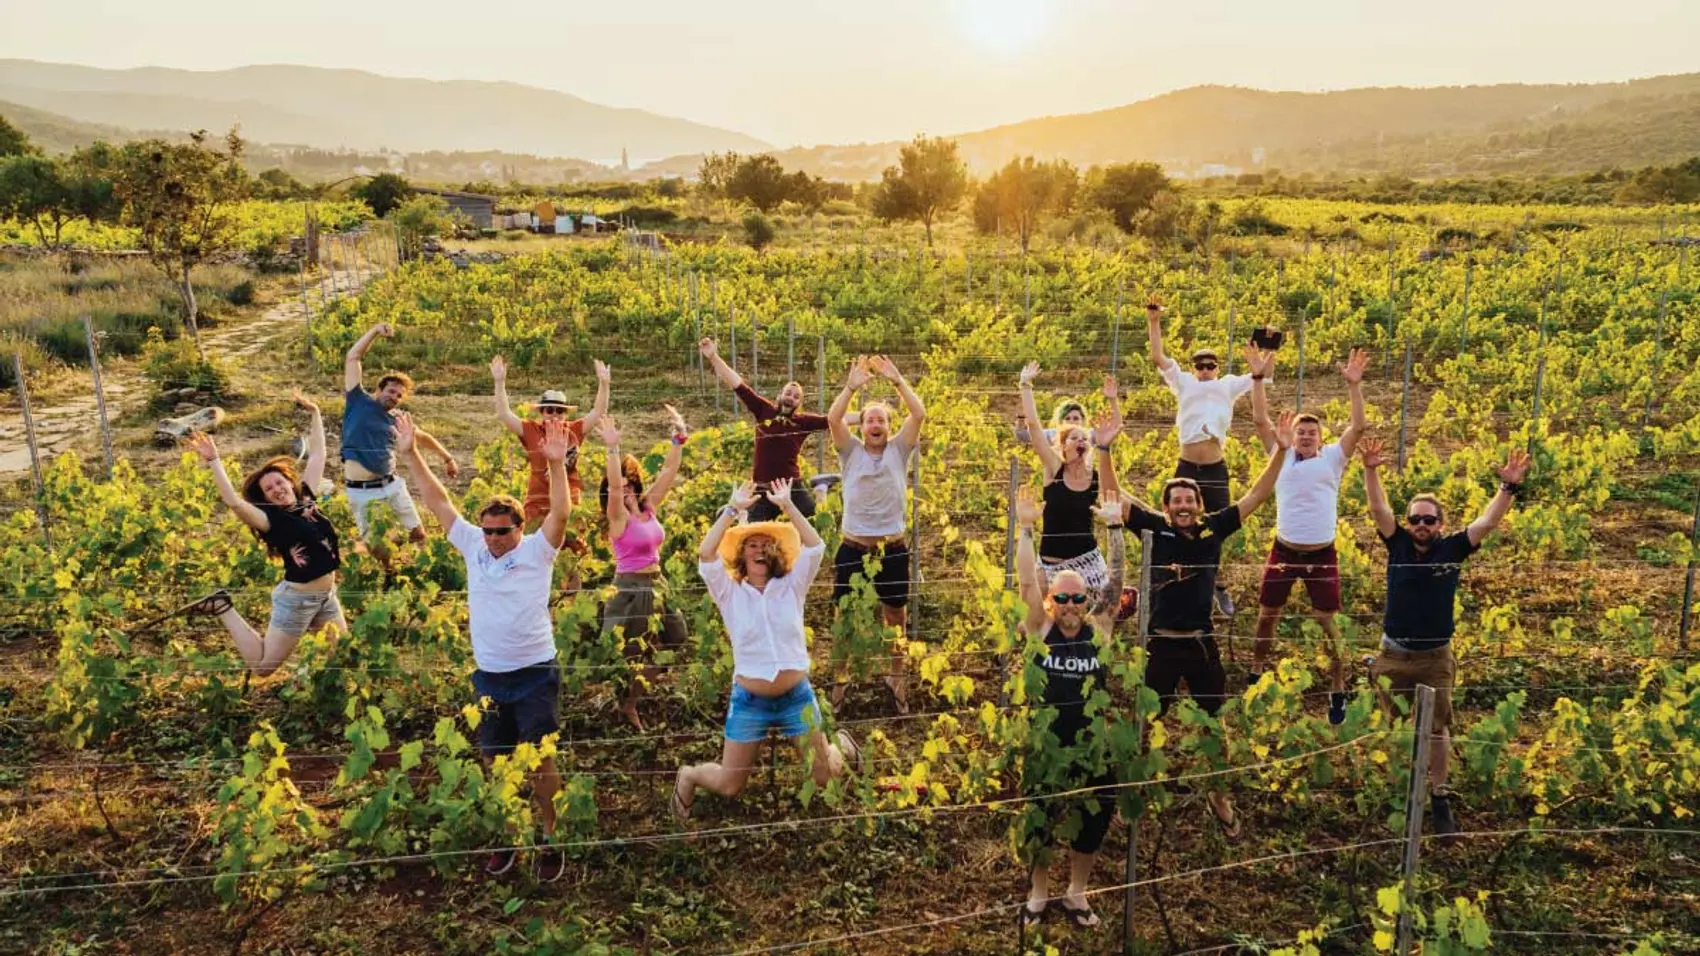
point(480, 209)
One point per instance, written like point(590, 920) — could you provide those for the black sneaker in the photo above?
point(1442, 822)
point(1224, 603)
point(1337, 707)
point(550, 863)
point(499, 862)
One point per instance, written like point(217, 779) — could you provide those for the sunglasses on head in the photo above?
point(1415, 520)
point(504, 529)
point(1204, 366)
point(1069, 598)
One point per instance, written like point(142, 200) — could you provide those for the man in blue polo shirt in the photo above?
point(368, 440)
point(1423, 562)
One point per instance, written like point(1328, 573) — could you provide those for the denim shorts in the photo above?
point(795, 713)
point(297, 611)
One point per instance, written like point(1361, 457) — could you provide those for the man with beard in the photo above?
point(1307, 507)
point(1186, 549)
point(1423, 563)
point(876, 482)
point(368, 440)
point(781, 429)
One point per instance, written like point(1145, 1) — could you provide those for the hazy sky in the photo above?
point(796, 72)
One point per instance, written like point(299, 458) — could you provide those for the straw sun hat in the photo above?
point(783, 533)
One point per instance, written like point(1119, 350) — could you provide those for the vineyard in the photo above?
point(156, 799)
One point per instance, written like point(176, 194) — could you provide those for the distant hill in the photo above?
point(61, 134)
point(331, 109)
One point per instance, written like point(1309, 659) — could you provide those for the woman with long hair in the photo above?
point(636, 536)
point(282, 509)
point(1072, 487)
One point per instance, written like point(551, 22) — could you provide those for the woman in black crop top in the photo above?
point(1070, 616)
point(281, 508)
point(1071, 487)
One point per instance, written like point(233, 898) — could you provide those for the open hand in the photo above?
point(1285, 427)
point(885, 368)
point(1112, 390)
point(779, 492)
point(1516, 467)
point(1109, 508)
point(1029, 372)
point(405, 432)
point(203, 445)
point(1370, 450)
point(743, 496)
point(1257, 360)
point(609, 431)
point(499, 369)
point(1028, 509)
point(556, 441)
point(708, 348)
point(1353, 370)
point(1105, 428)
point(676, 420)
point(603, 374)
point(859, 373)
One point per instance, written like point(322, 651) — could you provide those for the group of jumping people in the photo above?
point(760, 557)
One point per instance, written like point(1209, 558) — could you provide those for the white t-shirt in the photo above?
point(874, 489)
point(507, 599)
point(1307, 496)
point(1205, 410)
point(766, 626)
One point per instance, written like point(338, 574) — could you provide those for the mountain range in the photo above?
point(1201, 131)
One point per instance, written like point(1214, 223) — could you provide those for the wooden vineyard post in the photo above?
point(820, 392)
point(755, 351)
point(99, 393)
point(1116, 331)
point(1422, 721)
point(35, 454)
point(1404, 404)
point(1540, 376)
point(1143, 637)
point(1299, 393)
point(1392, 305)
point(1009, 534)
point(1688, 585)
point(696, 315)
point(306, 303)
point(1464, 313)
point(732, 330)
point(790, 349)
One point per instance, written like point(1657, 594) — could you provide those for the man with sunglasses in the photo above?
point(552, 406)
point(508, 584)
point(1203, 414)
point(1423, 564)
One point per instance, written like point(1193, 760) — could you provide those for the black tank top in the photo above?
point(1068, 519)
point(1068, 663)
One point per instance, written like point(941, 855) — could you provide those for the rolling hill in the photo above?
point(331, 109)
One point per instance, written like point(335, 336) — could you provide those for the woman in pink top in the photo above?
point(636, 535)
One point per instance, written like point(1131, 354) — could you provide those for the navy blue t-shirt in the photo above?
point(1421, 588)
point(366, 435)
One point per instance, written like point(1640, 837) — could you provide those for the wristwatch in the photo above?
point(1511, 489)
point(1258, 378)
point(730, 511)
point(1100, 447)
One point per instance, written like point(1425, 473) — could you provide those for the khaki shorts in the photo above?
point(1404, 670)
point(633, 609)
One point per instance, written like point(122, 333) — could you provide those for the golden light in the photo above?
point(1004, 27)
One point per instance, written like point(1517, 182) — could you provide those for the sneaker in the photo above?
point(1251, 678)
point(549, 863)
point(1337, 707)
point(499, 862)
point(1224, 603)
point(1443, 823)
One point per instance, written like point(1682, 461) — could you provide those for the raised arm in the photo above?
point(609, 431)
point(316, 455)
point(504, 414)
point(1379, 510)
point(1048, 456)
point(1104, 431)
point(1109, 511)
point(664, 482)
point(1353, 373)
point(1265, 485)
point(436, 497)
point(742, 497)
point(779, 494)
point(853, 380)
point(352, 371)
point(1154, 333)
point(910, 434)
point(722, 371)
point(1027, 512)
point(450, 466)
point(599, 407)
point(250, 515)
point(1261, 364)
point(556, 444)
point(1511, 479)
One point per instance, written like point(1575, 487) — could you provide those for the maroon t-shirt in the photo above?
point(779, 438)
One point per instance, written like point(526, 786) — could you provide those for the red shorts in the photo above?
point(1319, 570)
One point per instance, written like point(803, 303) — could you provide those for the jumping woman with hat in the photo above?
point(1204, 412)
point(759, 575)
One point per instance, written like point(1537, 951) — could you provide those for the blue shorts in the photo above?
point(525, 706)
point(795, 713)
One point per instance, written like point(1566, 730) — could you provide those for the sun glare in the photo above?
point(1003, 26)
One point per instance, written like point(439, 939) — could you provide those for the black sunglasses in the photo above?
point(1423, 519)
point(1204, 366)
point(1069, 598)
point(504, 529)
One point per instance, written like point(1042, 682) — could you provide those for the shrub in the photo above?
point(242, 293)
point(758, 230)
point(172, 365)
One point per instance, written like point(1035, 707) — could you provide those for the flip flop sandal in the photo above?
point(850, 749)
point(1081, 919)
point(1231, 831)
point(212, 605)
point(681, 809)
point(1025, 917)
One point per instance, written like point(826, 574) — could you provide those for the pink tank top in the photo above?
point(640, 545)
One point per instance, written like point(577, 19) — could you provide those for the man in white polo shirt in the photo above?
point(508, 585)
point(1204, 411)
point(1307, 504)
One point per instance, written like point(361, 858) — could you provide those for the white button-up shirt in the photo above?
point(765, 626)
point(1205, 409)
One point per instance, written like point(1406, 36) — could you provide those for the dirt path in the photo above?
point(65, 423)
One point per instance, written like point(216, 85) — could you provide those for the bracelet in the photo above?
point(730, 511)
point(1258, 378)
point(680, 439)
point(1510, 489)
point(1100, 447)
point(1113, 527)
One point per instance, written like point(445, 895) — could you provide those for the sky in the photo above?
point(794, 72)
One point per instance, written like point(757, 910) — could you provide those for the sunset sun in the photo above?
point(1003, 26)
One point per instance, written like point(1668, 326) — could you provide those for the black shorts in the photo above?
point(1083, 818)
point(801, 496)
point(1169, 660)
point(891, 581)
point(525, 707)
point(1212, 480)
